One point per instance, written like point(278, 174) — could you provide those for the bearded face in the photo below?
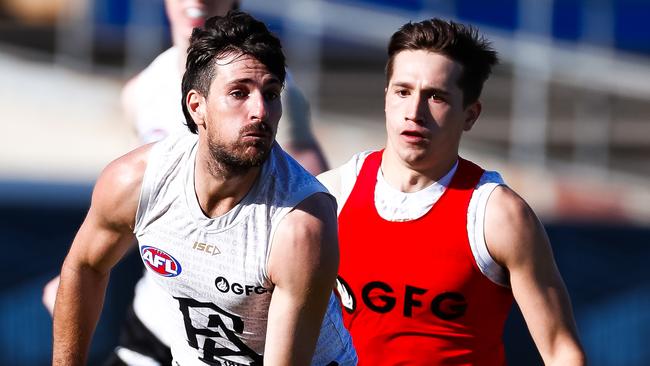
point(250, 150)
point(239, 115)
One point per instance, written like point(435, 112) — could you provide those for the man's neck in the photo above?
point(218, 189)
point(413, 177)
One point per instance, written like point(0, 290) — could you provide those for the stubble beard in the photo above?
point(237, 158)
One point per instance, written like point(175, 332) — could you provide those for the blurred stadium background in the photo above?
point(565, 120)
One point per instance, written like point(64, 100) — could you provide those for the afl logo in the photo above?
point(160, 261)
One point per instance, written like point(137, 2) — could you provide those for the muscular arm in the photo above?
point(517, 240)
point(102, 240)
point(128, 100)
point(303, 264)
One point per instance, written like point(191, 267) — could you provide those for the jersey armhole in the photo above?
point(146, 189)
point(476, 233)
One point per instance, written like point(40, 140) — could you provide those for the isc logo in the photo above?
point(160, 262)
point(208, 248)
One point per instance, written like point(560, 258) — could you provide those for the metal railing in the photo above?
point(537, 62)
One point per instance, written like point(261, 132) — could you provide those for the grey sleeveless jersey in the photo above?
point(215, 269)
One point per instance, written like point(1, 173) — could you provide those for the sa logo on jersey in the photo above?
point(160, 261)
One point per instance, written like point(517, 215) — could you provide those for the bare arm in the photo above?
point(100, 243)
point(128, 101)
point(517, 240)
point(303, 266)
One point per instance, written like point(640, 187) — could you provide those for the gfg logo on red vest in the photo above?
point(160, 261)
point(380, 297)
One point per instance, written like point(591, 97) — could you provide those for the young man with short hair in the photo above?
point(433, 247)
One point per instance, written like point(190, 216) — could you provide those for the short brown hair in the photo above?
point(461, 43)
point(236, 32)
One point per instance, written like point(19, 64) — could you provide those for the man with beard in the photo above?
point(241, 238)
point(150, 98)
point(150, 102)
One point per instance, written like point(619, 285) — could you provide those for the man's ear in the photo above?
point(195, 103)
point(472, 112)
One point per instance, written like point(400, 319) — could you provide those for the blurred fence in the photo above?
point(568, 89)
point(572, 87)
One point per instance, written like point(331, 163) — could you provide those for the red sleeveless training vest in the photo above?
point(412, 293)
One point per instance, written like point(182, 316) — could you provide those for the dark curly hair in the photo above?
point(459, 42)
point(236, 32)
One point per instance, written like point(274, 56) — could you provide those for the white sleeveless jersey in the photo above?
point(394, 205)
point(157, 114)
point(214, 269)
point(157, 105)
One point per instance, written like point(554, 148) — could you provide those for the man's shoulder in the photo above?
point(488, 180)
point(292, 182)
point(128, 169)
point(116, 193)
point(284, 165)
point(506, 208)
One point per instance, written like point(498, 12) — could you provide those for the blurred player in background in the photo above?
point(152, 97)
